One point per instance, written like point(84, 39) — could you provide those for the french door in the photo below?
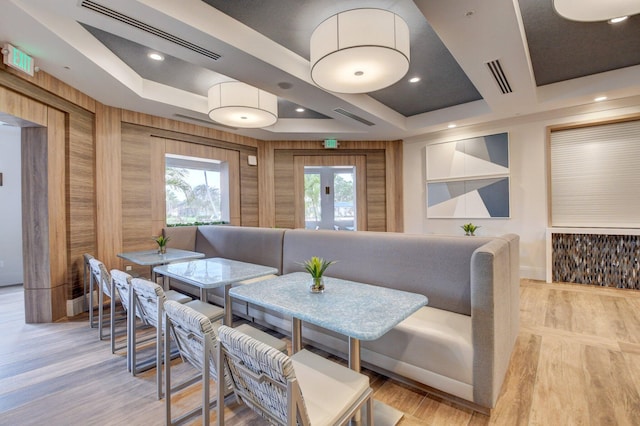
point(330, 193)
point(330, 197)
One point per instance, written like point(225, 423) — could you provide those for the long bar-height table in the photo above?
point(153, 258)
point(213, 273)
point(357, 310)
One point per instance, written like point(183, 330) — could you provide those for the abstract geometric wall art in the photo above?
point(474, 198)
point(481, 156)
point(469, 178)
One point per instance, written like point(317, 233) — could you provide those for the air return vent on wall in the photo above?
point(103, 10)
point(354, 117)
point(499, 76)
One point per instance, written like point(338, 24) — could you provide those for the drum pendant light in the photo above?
point(237, 104)
point(360, 51)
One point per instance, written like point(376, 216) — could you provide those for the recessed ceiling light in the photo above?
point(414, 80)
point(300, 109)
point(600, 98)
point(156, 56)
point(616, 20)
point(452, 126)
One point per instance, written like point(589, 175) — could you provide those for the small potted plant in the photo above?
point(162, 243)
point(316, 267)
point(469, 228)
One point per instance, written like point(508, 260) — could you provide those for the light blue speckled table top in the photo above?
point(357, 310)
point(152, 257)
point(213, 272)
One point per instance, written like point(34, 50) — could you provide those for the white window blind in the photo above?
point(595, 176)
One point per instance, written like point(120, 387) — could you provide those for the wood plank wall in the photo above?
point(383, 179)
point(72, 188)
point(35, 224)
point(91, 209)
point(57, 211)
point(108, 184)
point(143, 190)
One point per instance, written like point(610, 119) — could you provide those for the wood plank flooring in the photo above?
point(576, 362)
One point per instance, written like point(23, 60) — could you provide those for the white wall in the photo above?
point(528, 172)
point(10, 207)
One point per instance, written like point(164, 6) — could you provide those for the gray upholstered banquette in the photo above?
point(460, 344)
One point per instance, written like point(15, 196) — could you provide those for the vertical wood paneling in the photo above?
point(35, 226)
point(233, 162)
point(275, 179)
point(157, 151)
point(56, 197)
point(266, 185)
point(358, 161)
point(143, 189)
point(376, 192)
point(81, 164)
point(284, 175)
point(108, 184)
point(248, 191)
point(395, 215)
point(138, 190)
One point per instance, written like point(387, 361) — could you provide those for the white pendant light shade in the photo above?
point(595, 10)
point(237, 104)
point(360, 51)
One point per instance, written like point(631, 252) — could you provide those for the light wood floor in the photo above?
point(576, 362)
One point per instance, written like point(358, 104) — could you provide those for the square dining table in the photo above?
point(358, 310)
point(153, 258)
point(213, 273)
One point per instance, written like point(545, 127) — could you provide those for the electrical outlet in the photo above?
point(127, 268)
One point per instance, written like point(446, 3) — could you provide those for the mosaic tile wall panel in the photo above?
point(604, 260)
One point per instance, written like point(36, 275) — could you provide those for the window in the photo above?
point(197, 190)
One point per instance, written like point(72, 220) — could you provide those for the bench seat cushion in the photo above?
point(431, 339)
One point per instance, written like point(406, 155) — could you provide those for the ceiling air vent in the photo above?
point(103, 10)
point(354, 117)
point(499, 76)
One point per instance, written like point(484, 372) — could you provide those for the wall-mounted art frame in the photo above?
point(469, 178)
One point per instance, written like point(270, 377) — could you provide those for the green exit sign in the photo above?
point(331, 143)
point(16, 58)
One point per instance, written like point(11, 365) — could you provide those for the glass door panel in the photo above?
point(330, 198)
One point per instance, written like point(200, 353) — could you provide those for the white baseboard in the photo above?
point(77, 306)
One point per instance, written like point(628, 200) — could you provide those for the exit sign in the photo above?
point(330, 143)
point(17, 59)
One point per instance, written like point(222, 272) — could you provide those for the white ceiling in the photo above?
point(61, 36)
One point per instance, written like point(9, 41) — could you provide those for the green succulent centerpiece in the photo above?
point(469, 228)
point(316, 266)
point(162, 243)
